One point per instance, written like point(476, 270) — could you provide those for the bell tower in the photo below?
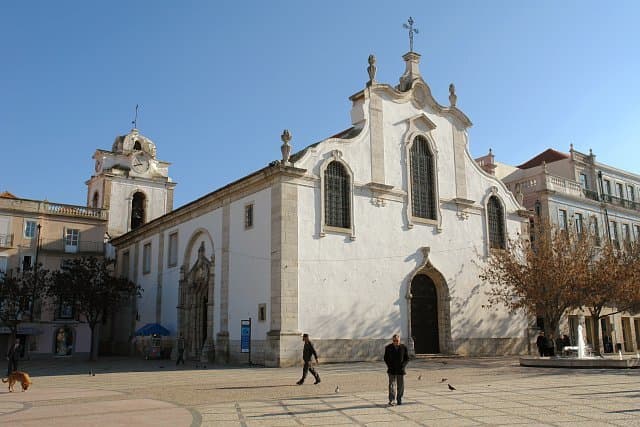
point(131, 183)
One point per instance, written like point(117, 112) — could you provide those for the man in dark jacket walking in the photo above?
point(396, 356)
point(12, 357)
point(307, 352)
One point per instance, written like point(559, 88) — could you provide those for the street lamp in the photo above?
point(35, 273)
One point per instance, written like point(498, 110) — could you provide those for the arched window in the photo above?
point(423, 191)
point(137, 210)
point(495, 216)
point(337, 197)
point(137, 146)
point(95, 200)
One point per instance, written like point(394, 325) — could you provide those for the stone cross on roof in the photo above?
point(412, 31)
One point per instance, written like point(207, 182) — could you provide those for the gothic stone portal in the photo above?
point(195, 308)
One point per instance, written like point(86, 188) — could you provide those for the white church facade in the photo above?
point(374, 231)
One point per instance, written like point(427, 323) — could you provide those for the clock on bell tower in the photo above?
point(130, 183)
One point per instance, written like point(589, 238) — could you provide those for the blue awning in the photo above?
point(152, 329)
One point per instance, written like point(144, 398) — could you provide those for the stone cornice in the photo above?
point(236, 190)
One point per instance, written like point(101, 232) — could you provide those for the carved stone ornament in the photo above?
point(371, 69)
point(285, 148)
point(453, 98)
point(420, 96)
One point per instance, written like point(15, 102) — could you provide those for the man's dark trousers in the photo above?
point(308, 368)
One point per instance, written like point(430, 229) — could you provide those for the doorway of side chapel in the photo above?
point(424, 315)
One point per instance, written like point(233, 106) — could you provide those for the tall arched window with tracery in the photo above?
point(423, 190)
point(337, 196)
point(495, 216)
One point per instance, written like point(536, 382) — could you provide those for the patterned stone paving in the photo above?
point(492, 391)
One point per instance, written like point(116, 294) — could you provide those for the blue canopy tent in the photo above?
point(153, 329)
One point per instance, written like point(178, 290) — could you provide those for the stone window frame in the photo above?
point(594, 228)
point(29, 231)
point(249, 215)
point(146, 258)
point(336, 155)
point(578, 222)
point(493, 191)
point(71, 240)
point(172, 252)
point(501, 220)
point(431, 145)
point(563, 219)
point(262, 312)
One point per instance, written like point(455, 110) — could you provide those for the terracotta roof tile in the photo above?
point(548, 156)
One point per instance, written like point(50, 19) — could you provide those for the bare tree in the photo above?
point(538, 273)
point(611, 281)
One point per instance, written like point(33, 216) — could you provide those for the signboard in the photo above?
point(245, 336)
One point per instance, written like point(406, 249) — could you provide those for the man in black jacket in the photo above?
point(396, 356)
point(307, 352)
point(12, 357)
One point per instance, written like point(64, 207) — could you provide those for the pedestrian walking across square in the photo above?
point(396, 356)
point(307, 352)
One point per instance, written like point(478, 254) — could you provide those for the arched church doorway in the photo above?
point(424, 315)
point(195, 306)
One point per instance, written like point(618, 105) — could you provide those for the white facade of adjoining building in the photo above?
point(574, 190)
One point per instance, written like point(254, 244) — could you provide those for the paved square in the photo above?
point(490, 391)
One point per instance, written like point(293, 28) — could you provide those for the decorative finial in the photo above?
point(453, 98)
point(134, 122)
point(590, 152)
point(571, 146)
point(285, 148)
point(371, 69)
point(490, 152)
point(412, 31)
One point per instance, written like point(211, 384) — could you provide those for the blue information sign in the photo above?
point(245, 336)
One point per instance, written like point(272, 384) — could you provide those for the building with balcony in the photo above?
point(41, 232)
point(575, 190)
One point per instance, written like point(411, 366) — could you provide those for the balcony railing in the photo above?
point(82, 247)
point(608, 198)
point(6, 240)
point(46, 207)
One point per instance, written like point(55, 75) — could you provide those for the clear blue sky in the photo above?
point(217, 82)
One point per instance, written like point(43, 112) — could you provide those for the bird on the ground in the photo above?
point(443, 380)
point(93, 374)
point(419, 377)
point(90, 372)
point(451, 387)
point(337, 389)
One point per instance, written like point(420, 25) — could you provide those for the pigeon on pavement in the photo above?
point(451, 387)
point(337, 389)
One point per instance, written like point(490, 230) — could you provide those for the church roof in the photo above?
point(345, 134)
point(548, 156)
point(7, 195)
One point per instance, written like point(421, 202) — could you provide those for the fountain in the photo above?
point(582, 359)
